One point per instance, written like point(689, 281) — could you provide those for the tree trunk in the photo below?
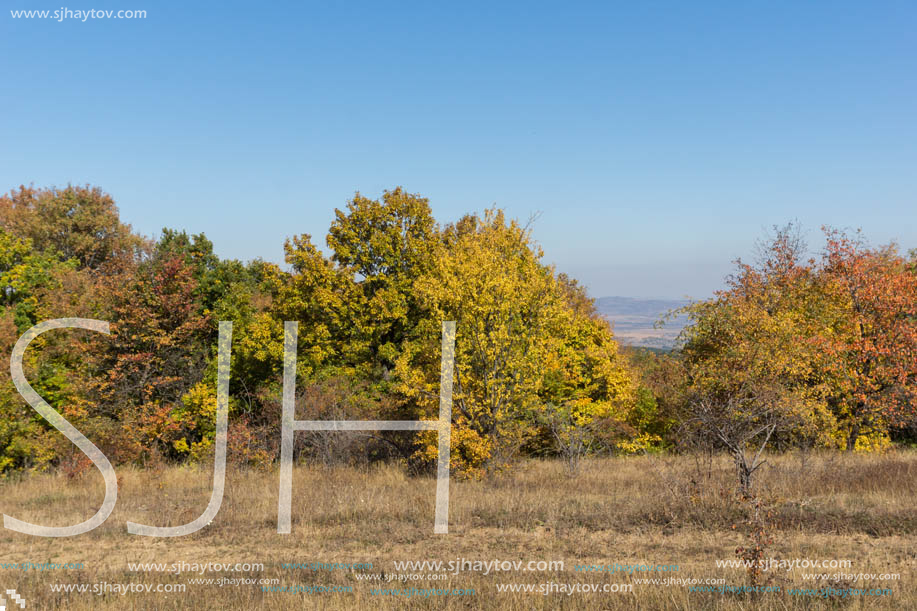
point(852, 438)
point(744, 472)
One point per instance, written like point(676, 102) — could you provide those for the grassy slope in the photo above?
point(642, 510)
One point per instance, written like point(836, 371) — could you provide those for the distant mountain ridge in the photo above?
point(633, 320)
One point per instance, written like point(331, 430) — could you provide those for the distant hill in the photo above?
point(633, 320)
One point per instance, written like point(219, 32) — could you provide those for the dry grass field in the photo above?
point(642, 510)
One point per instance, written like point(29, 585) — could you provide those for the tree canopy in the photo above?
point(793, 351)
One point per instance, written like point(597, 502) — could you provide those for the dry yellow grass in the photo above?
point(645, 510)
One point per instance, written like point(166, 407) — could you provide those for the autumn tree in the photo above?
point(80, 223)
point(157, 353)
point(585, 387)
point(522, 348)
point(356, 307)
point(870, 352)
point(660, 380)
point(56, 247)
point(835, 337)
point(750, 364)
point(25, 276)
point(217, 279)
point(384, 245)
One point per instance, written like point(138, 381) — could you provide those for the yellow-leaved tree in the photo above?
point(523, 350)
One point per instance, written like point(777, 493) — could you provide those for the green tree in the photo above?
point(384, 246)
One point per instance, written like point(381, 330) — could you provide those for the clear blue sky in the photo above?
point(658, 140)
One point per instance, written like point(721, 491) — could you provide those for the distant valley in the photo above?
point(634, 320)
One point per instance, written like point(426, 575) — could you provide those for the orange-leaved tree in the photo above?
point(870, 353)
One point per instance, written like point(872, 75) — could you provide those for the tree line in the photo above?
point(792, 352)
